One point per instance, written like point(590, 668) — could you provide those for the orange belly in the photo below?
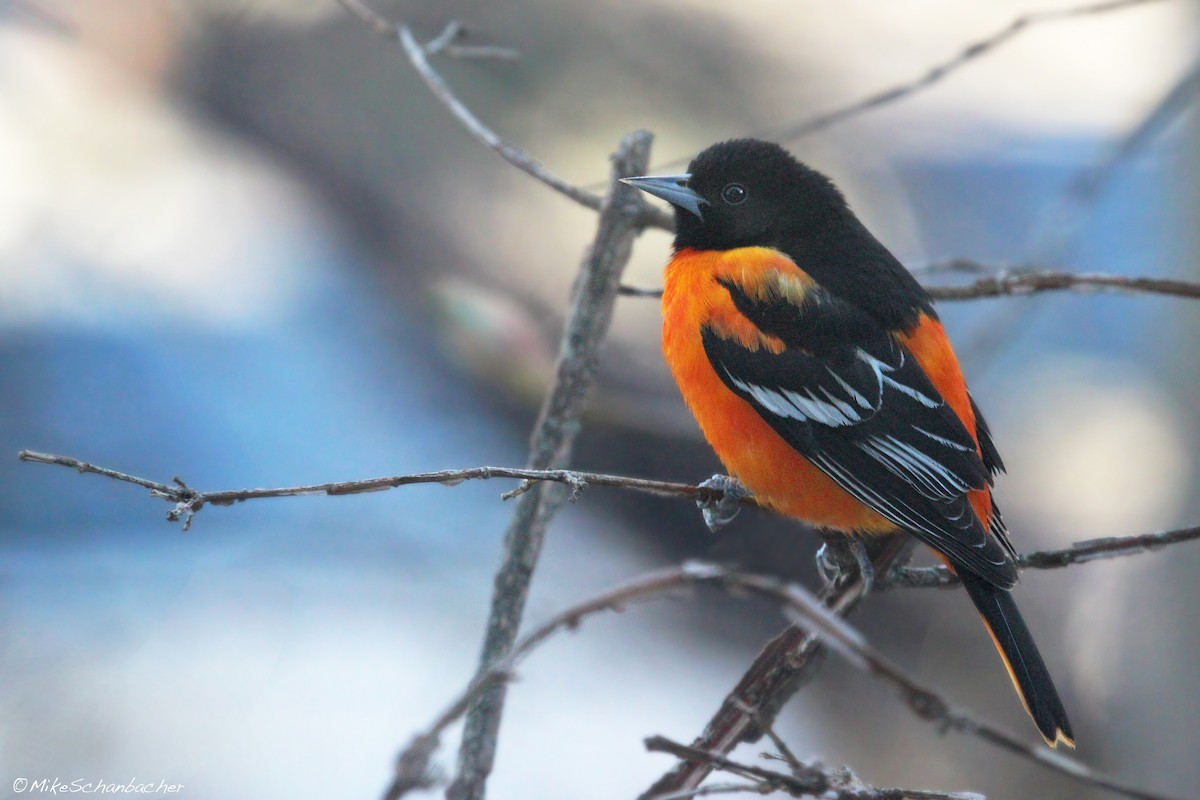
point(750, 449)
point(779, 477)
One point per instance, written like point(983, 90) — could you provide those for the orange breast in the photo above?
point(750, 449)
point(779, 477)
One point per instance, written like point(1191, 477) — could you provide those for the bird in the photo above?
point(819, 372)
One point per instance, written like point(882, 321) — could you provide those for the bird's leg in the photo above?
point(842, 556)
point(720, 511)
point(899, 564)
point(866, 570)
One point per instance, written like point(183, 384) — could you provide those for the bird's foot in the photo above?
point(842, 557)
point(720, 511)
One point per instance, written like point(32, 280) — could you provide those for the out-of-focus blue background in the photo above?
point(240, 243)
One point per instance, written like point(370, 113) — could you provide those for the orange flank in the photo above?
point(750, 449)
point(931, 348)
point(747, 445)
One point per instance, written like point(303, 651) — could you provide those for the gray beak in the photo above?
point(672, 188)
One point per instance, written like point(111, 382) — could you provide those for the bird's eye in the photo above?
point(734, 194)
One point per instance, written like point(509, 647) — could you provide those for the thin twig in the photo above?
point(943, 70)
point(809, 781)
point(927, 704)
point(965, 266)
point(446, 42)
point(923, 700)
point(1023, 283)
point(1012, 283)
point(189, 501)
point(646, 215)
point(813, 784)
point(1077, 553)
point(786, 664)
point(719, 788)
point(412, 765)
point(781, 747)
point(168, 492)
point(806, 610)
point(641, 291)
point(587, 323)
point(932, 76)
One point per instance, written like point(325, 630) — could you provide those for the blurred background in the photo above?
point(240, 243)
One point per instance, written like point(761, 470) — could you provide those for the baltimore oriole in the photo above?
point(819, 372)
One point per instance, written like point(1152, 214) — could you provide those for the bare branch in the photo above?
point(943, 70)
point(588, 318)
point(446, 42)
point(787, 662)
point(781, 747)
point(808, 611)
point(191, 500)
point(1077, 553)
point(172, 493)
point(1024, 283)
point(645, 215)
point(412, 765)
point(813, 783)
point(805, 780)
point(965, 266)
point(923, 700)
point(718, 788)
point(795, 644)
point(1012, 283)
point(934, 75)
point(641, 291)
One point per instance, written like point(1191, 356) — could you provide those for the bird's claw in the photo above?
point(720, 511)
point(843, 556)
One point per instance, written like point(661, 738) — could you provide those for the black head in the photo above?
point(747, 192)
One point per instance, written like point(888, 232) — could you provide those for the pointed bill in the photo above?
point(672, 188)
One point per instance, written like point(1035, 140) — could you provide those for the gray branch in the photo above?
point(939, 72)
point(189, 501)
point(805, 780)
point(1020, 282)
point(587, 324)
point(1077, 553)
point(647, 216)
point(933, 75)
point(807, 611)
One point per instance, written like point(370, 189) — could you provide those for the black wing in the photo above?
point(863, 411)
point(994, 464)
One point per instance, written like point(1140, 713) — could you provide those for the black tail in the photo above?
point(1025, 666)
